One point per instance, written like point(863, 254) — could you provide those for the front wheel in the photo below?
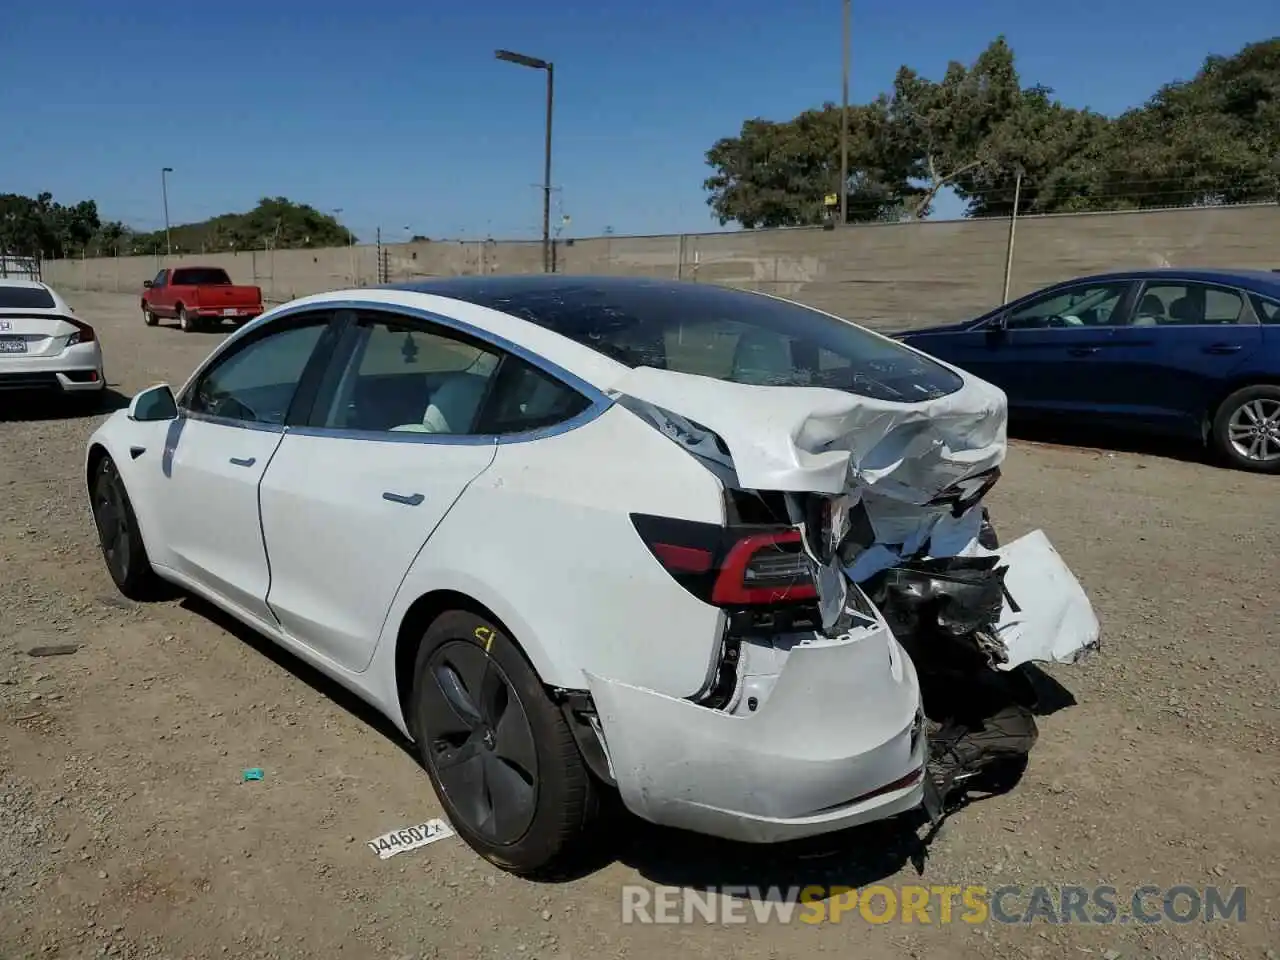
point(119, 535)
point(148, 317)
point(500, 754)
point(1246, 429)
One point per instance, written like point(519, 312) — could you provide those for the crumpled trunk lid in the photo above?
point(875, 486)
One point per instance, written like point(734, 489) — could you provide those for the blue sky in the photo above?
point(397, 112)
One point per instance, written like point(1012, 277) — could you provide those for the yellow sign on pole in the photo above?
point(831, 200)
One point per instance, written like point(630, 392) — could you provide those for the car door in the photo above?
point(159, 299)
point(1185, 340)
point(231, 420)
point(1039, 350)
point(349, 500)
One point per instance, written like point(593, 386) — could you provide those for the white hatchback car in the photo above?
point(576, 534)
point(43, 345)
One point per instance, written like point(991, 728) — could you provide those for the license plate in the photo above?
point(409, 838)
point(230, 311)
point(13, 345)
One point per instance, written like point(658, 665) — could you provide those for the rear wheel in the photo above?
point(499, 753)
point(119, 536)
point(1246, 429)
point(185, 320)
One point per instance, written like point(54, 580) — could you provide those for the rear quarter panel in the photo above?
point(544, 539)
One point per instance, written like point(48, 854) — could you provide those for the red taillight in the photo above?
point(730, 566)
point(764, 568)
point(84, 333)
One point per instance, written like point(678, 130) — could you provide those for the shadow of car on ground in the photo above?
point(36, 406)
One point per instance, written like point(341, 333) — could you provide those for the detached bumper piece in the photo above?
point(968, 623)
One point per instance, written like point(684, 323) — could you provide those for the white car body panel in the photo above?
point(332, 583)
point(521, 514)
point(207, 509)
point(301, 544)
point(841, 721)
point(45, 335)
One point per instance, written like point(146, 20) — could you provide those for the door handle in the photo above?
point(1222, 348)
point(411, 500)
point(244, 462)
point(1082, 351)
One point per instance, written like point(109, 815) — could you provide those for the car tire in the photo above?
point(119, 535)
point(149, 318)
point(482, 719)
point(1249, 414)
point(186, 322)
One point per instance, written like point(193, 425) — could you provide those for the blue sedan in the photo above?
point(1191, 353)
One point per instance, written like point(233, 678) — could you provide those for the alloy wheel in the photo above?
point(480, 742)
point(1254, 430)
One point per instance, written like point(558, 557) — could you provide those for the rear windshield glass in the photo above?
point(200, 277)
point(25, 298)
point(731, 335)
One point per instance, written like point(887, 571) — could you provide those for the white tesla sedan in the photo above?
point(601, 533)
point(43, 345)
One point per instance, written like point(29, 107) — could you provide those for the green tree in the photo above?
point(275, 222)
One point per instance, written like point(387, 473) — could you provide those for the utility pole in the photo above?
point(1013, 225)
point(537, 64)
point(164, 193)
point(844, 125)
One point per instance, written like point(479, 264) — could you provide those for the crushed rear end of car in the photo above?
point(874, 633)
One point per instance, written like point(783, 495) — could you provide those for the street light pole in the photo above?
point(844, 126)
point(537, 64)
point(164, 193)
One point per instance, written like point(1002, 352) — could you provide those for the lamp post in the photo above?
point(164, 194)
point(351, 248)
point(844, 126)
point(536, 64)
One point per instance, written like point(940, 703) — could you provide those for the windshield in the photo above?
point(727, 334)
point(200, 277)
point(25, 298)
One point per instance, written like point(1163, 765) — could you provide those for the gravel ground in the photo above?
point(125, 829)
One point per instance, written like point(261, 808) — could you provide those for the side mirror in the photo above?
point(154, 403)
point(148, 284)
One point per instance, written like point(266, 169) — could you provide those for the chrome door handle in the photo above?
point(244, 462)
point(1223, 348)
point(1082, 351)
point(409, 501)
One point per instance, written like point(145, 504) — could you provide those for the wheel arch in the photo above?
point(97, 451)
point(418, 618)
point(1238, 382)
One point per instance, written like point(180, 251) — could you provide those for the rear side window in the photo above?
point(1268, 310)
point(524, 398)
point(25, 298)
point(200, 277)
point(733, 335)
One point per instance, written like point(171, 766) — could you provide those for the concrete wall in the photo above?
point(890, 276)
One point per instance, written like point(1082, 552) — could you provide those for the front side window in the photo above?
point(159, 280)
point(730, 335)
point(1087, 305)
point(1188, 304)
point(404, 376)
point(255, 383)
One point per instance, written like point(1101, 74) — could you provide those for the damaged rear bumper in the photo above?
point(838, 741)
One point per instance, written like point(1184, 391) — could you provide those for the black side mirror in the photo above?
point(148, 284)
point(154, 403)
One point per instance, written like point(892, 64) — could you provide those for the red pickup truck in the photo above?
point(196, 296)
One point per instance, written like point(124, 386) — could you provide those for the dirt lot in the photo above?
point(125, 829)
